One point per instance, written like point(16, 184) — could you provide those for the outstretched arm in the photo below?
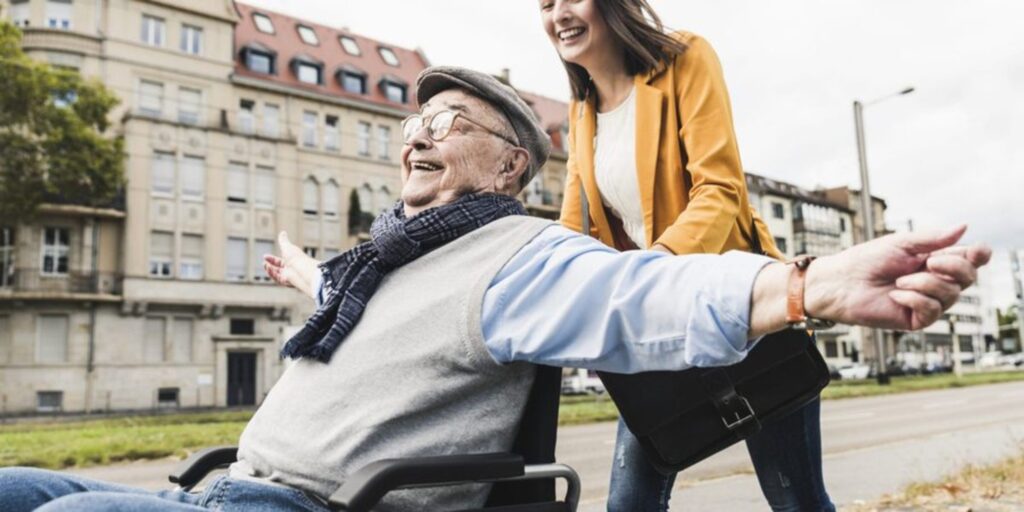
point(902, 282)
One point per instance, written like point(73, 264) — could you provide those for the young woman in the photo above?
point(652, 147)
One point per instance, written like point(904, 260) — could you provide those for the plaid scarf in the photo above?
point(351, 278)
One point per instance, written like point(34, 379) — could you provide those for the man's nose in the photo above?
point(420, 140)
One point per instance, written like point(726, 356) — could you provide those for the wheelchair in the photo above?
point(524, 478)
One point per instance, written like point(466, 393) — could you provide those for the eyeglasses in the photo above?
point(440, 124)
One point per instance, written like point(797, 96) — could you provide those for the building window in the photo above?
point(394, 92)
point(260, 62)
point(6, 258)
point(190, 266)
point(52, 341)
point(778, 211)
point(237, 183)
point(151, 98)
point(309, 120)
point(310, 251)
point(161, 254)
point(263, 187)
point(331, 195)
point(383, 199)
point(310, 201)
point(781, 244)
point(330, 254)
point(193, 177)
point(352, 82)
point(58, 14)
point(56, 245)
point(20, 11)
point(237, 259)
point(842, 224)
point(332, 138)
point(831, 348)
point(365, 194)
point(363, 138)
point(181, 340)
point(167, 398)
point(261, 247)
point(308, 73)
point(189, 105)
point(245, 115)
point(263, 23)
point(242, 326)
point(271, 119)
point(49, 401)
point(389, 56)
point(191, 39)
point(350, 46)
point(5, 339)
point(308, 35)
point(383, 142)
point(162, 174)
point(153, 340)
point(152, 30)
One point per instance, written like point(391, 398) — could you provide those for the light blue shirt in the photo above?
point(568, 300)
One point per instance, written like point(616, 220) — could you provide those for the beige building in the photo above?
point(238, 123)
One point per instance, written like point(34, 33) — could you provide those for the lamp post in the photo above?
point(868, 213)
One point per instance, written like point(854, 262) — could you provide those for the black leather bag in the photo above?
point(681, 418)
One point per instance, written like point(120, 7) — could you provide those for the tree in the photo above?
point(355, 211)
point(53, 140)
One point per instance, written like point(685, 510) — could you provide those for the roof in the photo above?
point(761, 184)
point(553, 115)
point(287, 44)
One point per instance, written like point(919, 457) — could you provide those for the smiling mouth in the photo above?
point(570, 34)
point(425, 166)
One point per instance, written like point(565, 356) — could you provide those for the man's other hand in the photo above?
point(293, 268)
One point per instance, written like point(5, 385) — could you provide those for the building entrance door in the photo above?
point(241, 378)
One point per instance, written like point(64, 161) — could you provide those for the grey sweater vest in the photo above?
point(412, 379)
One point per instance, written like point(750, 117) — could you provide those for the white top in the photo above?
point(615, 167)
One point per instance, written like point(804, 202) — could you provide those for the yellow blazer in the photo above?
point(692, 186)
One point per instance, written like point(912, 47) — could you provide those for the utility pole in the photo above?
point(1015, 268)
point(957, 369)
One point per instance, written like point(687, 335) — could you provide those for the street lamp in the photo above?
point(866, 209)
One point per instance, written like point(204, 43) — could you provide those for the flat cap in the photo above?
point(529, 132)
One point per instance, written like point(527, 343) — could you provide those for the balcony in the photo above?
point(29, 284)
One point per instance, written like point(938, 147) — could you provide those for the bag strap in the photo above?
point(735, 411)
point(584, 210)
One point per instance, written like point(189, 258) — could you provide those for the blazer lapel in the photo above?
point(649, 105)
point(586, 128)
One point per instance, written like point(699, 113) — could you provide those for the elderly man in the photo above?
point(422, 341)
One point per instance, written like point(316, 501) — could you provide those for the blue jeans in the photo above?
point(27, 489)
point(786, 456)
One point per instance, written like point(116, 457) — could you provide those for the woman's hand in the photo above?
point(294, 268)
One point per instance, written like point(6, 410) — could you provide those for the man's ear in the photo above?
point(517, 163)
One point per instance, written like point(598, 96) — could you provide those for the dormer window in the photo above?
point(308, 35)
point(388, 55)
point(259, 58)
point(352, 79)
point(263, 23)
point(308, 70)
point(394, 89)
point(350, 46)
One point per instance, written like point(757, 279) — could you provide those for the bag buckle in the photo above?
point(743, 415)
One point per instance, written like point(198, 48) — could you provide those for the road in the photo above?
point(872, 446)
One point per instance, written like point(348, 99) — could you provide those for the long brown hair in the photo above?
point(639, 30)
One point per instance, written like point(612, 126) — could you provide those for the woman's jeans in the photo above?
point(27, 489)
point(786, 456)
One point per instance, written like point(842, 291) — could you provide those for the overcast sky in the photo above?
point(951, 152)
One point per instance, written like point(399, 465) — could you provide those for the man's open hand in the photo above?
point(293, 268)
point(903, 282)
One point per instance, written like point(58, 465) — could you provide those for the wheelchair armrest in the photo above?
point(193, 469)
point(366, 487)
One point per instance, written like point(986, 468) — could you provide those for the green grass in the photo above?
point(65, 444)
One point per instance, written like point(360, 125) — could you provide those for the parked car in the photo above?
point(854, 371)
point(581, 382)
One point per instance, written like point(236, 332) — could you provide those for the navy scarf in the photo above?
point(351, 278)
